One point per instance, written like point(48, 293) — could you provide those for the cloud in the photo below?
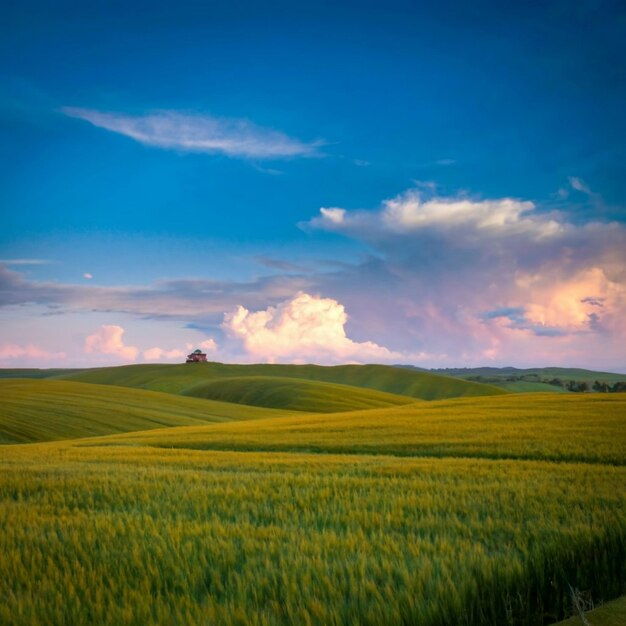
point(479, 279)
point(189, 132)
point(411, 212)
point(108, 340)
point(158, 354)
point(188, 300)
point(579, 185)
point(24, 262)
point(305, 328)
point(87, 276)
point(11, 351)
point(280, 264)
point(209, 345)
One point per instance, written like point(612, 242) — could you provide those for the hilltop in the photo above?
point(181, 379)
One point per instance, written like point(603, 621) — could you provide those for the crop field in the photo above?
point(46, 410)
point(461, 511)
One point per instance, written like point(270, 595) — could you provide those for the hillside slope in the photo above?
point(573, 427)
point(294, 394)
point(48, 410)
point(180, 378)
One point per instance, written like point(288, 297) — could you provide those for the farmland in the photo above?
point(463, 510)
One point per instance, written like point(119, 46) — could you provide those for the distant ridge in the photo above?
point(182, 379)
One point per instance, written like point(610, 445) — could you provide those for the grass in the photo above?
point(610, 614)
point(294, 394)
point(180, 378)
point(119, 536)
point(576, 427)
point(45, 410)
point(465, 512)
point(525, 386)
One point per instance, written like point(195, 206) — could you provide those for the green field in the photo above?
point(588, 428)
point(47, 410)
point(294, 394)
point(469, 511)
point(182, 378)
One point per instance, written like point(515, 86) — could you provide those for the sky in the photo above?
point(437, 184)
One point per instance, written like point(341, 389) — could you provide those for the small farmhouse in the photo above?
point(196, 356)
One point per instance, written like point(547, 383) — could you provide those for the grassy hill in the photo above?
point(294, 394)
point(575, 427)
point(180, 378)
point(46, 410)
point(532, 379)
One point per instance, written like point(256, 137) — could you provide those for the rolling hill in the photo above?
point(294, 394)
point(47, 410)
point(575, 427)
point(180, 378)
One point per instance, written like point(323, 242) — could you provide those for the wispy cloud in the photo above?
point(192, 132)
point(24, 262)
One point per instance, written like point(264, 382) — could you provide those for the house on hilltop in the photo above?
point(197, 356)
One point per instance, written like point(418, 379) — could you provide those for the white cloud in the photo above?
point(304, 329)
point(87, 276)
point(410, 212)
point(108, 340)
point(190, 132)
point(333, 215)
point(159, 354)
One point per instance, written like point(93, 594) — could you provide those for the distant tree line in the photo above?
point(577, 386)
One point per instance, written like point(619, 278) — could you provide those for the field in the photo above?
point(609, 614)
point(184, 378)
point(462, 511)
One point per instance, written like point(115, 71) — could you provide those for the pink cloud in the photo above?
point(108, 340)
point(158, 354)
point(11, 351)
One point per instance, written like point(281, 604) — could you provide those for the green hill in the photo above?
point(294, 394)
point(48, 410)
point(533, 426)
point(180, 378)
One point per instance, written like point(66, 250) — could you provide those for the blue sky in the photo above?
point(179, 155)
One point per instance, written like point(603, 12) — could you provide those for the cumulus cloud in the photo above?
point(305, 328)
point(209, 345)
point(411, 212)
point(487, 279)
point(159, 354)
point(12, 351)
point(108, 340)
point(190, 132)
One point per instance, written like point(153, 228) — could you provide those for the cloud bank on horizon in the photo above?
point(449, 281)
